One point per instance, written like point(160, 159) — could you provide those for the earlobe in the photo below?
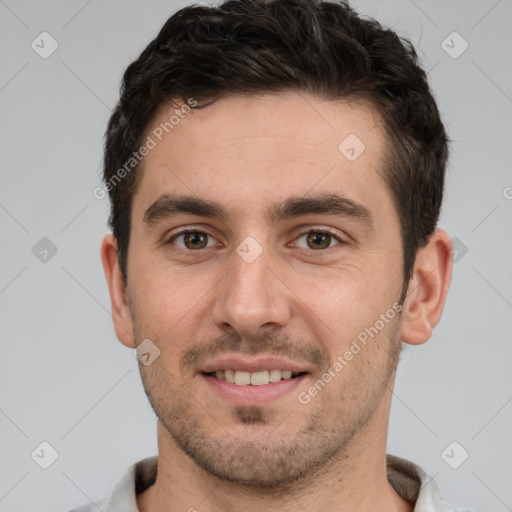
point(427, 290)
point(121, 314)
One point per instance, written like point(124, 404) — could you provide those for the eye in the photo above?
point(192, 240)
point(317, 240)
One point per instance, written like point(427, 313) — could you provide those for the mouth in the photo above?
point(253, 380)
point(257, 378)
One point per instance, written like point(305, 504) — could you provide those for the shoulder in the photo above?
point(123, 497)
point(93, 507)
point(415, 486)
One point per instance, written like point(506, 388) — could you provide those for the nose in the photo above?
point(251, 299)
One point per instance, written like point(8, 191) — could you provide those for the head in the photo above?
point(302, 150)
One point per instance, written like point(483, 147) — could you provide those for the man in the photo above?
point(275, 171)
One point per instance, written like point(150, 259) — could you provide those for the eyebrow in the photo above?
point(167, 206)
point(320, 204)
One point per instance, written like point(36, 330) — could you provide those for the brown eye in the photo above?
point(192, 240)
point(195, 240)
point(318, 240)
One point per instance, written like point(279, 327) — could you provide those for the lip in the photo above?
point(252, 395)
point(253, 364)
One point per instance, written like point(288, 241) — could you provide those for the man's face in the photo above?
point(305, 256)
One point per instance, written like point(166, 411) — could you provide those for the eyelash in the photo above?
point(314, 230)
point(185, 232)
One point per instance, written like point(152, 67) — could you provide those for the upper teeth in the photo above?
point(255, 378)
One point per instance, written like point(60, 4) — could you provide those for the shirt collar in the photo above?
point(408, 480)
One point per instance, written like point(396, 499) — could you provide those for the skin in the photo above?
point(300, 302)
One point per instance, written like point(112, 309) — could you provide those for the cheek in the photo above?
point(340, 307)
point(165, 301)
point(352, 291)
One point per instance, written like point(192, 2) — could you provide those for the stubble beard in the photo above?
point(271, 455)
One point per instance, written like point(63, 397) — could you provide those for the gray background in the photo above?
point(66, 380)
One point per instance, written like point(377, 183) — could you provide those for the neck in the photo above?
point(355, 481)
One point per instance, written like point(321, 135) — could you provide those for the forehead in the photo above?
point(253, 150)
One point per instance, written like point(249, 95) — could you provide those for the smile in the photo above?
point(258, 378)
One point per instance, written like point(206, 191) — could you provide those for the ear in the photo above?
point(121, 314)
point(427, 289)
